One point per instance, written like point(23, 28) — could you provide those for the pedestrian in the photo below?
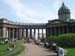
point(61, 52)
point(54, 47)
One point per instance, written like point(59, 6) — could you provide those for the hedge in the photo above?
point(64, 40)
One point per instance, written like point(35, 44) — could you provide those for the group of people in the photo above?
point(53, 46)
point(59, 50)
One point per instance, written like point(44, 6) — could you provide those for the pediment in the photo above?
point(56, 22)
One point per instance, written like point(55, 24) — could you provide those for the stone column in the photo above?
point(63, 30)
point(18, 33)
point(51, 31)
point(42, 34)
point(26, 33)
point(72, 29)
point(54, 30)
point(59, 30)
point(30, 33)
point(45, 33)
point(13, 34)
point(38, 34)
point(48, 32)
point(34, 33)
point(9, 33)
point(22, 33)
point(67, 29)
point(0, 32)
point(4, 32)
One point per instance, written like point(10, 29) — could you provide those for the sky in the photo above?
point(33, 11)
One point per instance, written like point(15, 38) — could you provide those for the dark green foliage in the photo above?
point(65, 40)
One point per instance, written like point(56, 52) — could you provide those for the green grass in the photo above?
point(15, 52)
point(21, 49)
point(70, 51)
point(3, 49)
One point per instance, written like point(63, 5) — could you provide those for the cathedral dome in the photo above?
point(63, 10)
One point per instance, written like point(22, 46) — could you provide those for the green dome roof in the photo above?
point(63, 10)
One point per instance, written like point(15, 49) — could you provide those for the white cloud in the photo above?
point(21, 10)
point(26, 14)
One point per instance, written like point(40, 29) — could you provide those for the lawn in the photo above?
point(3, 49)
point(71, 51)
point(21, 49)
point(15, 52)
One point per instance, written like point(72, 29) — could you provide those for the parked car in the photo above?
point(37, 42)
point(41, 44)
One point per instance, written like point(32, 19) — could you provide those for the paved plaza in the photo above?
point(36, 50)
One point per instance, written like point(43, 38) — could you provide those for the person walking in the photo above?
point(61, 52)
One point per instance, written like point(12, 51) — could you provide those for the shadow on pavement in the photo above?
point(49, 55)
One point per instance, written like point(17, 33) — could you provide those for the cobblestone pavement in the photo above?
point(36, 50)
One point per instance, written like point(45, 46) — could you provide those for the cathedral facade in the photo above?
point(64, 24)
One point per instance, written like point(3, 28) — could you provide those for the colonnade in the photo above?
point(32, 33)
point(19, 33)
point(60, 30)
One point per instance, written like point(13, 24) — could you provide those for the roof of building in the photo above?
point(63, 10)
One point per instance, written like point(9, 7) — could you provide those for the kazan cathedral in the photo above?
point(64, 24)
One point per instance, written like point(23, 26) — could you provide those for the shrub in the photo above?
point(65, 40)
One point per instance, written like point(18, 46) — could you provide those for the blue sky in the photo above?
point(33, 11)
